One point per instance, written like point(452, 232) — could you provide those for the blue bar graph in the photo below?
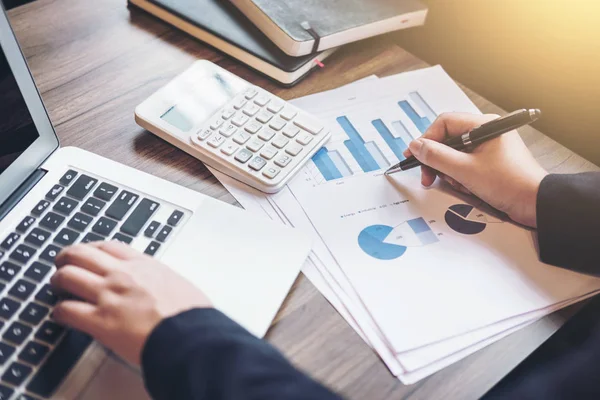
point(402, 132)
point(423, 231)
point(326, 165)
point(398, 145)
point(340, 163)
point(356, 145)
point(422, 123)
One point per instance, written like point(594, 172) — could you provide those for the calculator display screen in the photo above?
point(197, 96)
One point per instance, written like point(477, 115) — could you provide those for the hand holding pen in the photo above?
point(499, 170)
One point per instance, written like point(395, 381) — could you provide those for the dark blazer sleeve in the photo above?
point(202, 354)
point(568, 219)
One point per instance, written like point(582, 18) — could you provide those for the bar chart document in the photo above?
point(409, 251)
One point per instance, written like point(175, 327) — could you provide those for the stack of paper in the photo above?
point(425, 276)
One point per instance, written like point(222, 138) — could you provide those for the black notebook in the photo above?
point(222, 26)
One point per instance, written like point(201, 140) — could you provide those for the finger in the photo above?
point(117, 249)
point(88, 257)
point(428, 176)
point(79, 282)
point(442, 158)
point(79, 315)
point(455, 124)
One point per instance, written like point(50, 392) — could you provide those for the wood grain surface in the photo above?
point(94, 61)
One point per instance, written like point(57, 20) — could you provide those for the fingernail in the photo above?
point(415, 147)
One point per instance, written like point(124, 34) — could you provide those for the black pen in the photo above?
point(475, 137)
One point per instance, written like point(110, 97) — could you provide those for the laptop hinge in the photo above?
point(21, 192)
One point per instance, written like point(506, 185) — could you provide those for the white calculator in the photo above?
point(233, 126)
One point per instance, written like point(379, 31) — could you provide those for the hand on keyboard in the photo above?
point(121, 294)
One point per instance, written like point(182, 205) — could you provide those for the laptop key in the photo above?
point(164, 233)
point(123, 203)
point(104, 226)
point(50, 253)
point(5, 392)
point(139, 217)
point(8, 271)
point(37, 271)
point(22, 289)
point(16, 373)
point(82, 187)
point(52, 221)
point(92, 237)
point(68, 177)
point(175, 218)
point(152, 229)
point(64, 357)
point(119, 237)
point(47, 296)
point(55, 192)
point(33, 313)
point(33, 353)
point(65, 206)
point(2, 253)
point(66, 237)
point(37, 237)
point(6, 350)
point(25, 224)
point(10, 241)
point(17, 333)
point(93, 206)
point(152, 248)
point(80, 222)
point(23, 397)
point(23, 253)
point(49, 332)
point(8, 307)
point(40, 207)
point(105, 191)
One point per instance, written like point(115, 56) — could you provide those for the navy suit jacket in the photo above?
point(202, 354)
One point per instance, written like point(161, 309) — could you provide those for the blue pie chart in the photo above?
point(371, 242)
point(456, 218)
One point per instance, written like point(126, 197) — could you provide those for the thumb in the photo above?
point(442, 158)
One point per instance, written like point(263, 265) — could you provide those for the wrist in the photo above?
point(526, 213)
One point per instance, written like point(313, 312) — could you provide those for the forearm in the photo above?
point(202, 354)
point(568, 221)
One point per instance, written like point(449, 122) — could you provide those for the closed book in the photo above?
point(224, 27)
point(301, 27)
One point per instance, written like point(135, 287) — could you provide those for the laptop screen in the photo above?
point(17, 130)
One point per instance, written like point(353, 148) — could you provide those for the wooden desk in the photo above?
point(94, 61)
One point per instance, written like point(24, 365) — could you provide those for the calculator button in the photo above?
point(255, 145)
point(277, 124)
point(271, 172)
point(205, 134)
point(291, 131)
point(253, 127)
point(229, 149)
point(266, 134)
point(283, 160)
point(262, 100)
point(264, 117)
point(241, 137)
point(280, 142)
point(227, 130)
point(240, 119)
point(216, 123)
point(275, 106)
point(304, 138)
point(251, 109)
point(288, 114)
point(239, 103)
point(228, 113)
point(243, 155)
point(54, 192)
point(257, 163)
point(293, 149)
point(307, 124)
point(216, 141)
point(268, 152)
point(250, 93)
point(68, 177)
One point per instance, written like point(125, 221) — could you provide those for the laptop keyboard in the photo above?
point(36, 354)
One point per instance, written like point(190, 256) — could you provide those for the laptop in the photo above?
point(52, 197)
